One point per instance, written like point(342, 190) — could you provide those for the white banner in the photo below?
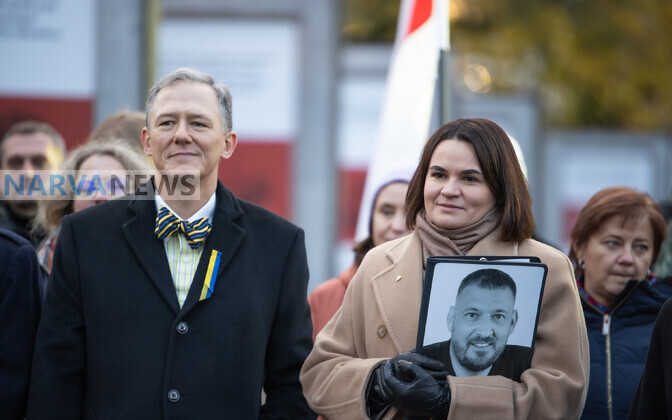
point(409, 97)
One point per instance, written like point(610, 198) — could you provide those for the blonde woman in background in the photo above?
point(111, 157)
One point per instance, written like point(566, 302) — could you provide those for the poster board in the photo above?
point(479, 315)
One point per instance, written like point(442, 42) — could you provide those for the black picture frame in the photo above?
point(443, 276)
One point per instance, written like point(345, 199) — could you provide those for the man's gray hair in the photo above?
point(190, 75)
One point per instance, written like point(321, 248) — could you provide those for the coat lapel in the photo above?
point(398, 292)
point(225, 237)
point(139, 232)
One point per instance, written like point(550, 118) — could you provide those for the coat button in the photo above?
point(174, 395)
point(381, 331)
point(182, 327)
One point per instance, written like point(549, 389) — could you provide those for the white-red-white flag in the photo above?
point(406, 112)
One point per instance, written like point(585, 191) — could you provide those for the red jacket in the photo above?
point(327, 298)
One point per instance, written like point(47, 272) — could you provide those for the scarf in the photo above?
point(438, 241)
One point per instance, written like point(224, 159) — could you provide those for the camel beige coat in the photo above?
point(379, 319)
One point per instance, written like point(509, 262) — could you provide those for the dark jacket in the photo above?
point(20, 225)
point(113, 342)
point(653, 399)
point(20, 306)
point(511, 363)
point(631, 318)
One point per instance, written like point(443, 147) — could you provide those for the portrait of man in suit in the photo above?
point(164, 307)
point(480, 323)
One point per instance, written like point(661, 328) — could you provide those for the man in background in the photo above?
point(27, 147)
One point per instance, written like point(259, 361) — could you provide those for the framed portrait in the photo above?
point(479, 315)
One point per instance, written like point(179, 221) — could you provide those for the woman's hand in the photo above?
point(413, 383)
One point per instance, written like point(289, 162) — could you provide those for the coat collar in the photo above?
point(397, 289)
point(225, 237)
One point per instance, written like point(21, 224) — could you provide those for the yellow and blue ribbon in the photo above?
point(210, 275)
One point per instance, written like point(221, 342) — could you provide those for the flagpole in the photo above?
point(444, 76)
point(410, 105)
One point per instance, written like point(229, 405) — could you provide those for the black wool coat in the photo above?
point(113, 342)
point(653, 398)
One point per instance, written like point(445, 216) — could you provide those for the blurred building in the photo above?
point(72, 63)
point(306, 108)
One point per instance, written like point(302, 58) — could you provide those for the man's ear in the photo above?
point(514, 320)
point(230, 141)
point(451, 319)
point(144, 137)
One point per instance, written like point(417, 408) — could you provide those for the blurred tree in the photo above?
point(370, 20)
point(602, 63)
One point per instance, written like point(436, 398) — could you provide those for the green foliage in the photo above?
point(370, 20)
point(598, 63)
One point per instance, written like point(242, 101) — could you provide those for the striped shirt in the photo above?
point(183, 260)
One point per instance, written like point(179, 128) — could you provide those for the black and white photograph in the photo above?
point(479, 317)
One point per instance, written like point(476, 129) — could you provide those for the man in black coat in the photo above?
point(186, 324)
point(20, 306)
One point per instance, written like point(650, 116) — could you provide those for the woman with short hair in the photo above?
point(615, 241)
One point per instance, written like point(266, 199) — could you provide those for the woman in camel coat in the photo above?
point(468, 196)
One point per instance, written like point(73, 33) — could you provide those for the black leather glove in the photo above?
point(413, 383)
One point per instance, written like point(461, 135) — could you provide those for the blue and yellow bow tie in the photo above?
point(196, 232)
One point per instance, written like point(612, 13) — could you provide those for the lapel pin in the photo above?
point(398, 278)
point(211, 275)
